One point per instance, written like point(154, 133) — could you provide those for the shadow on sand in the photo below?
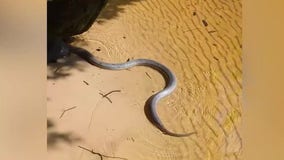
point(114, 8)
point(54, 137)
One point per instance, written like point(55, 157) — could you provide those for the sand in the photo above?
point(198, 40)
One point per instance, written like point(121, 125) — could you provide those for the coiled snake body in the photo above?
point(170, 78)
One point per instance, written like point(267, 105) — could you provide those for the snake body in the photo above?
point(168, 75)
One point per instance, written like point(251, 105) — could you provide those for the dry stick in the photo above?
point(111, 92)
point(99, 154)
point(106, 95)
point(216, 58)
point(66, 111)
point(148, 75)
point(86, 82)
point(211, 31)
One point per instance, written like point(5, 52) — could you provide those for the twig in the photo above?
point(148, 75)
point(216, 58)
point(66, 111)
point(106, 95)
point(86, 82)
point(99, 154)
point(211, 31)
point(111, 92)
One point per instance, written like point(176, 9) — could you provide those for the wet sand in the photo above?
point(200, 41)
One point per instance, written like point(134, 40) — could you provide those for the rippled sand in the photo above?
point(200, 41)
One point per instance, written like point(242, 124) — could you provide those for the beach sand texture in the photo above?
point(200, 41)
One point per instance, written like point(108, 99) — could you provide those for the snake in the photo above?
point(168, 75)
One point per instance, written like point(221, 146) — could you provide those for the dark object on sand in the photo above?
point(66, 18)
